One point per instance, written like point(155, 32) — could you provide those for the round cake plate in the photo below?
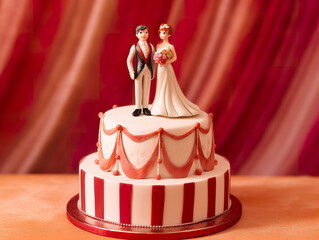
point(97, 226)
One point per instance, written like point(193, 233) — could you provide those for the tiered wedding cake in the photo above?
point(154, 171)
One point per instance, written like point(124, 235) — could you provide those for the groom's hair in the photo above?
point(141, 27)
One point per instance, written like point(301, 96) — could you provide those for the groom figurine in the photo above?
point(144, 70)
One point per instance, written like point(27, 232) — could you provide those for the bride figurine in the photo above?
point(169, 99)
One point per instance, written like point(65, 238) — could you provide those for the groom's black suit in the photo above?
point(140, 62)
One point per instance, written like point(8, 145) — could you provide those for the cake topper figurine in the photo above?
point(144, 70)
point(169, 99)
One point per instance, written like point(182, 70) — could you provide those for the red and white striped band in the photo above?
point(151, 203)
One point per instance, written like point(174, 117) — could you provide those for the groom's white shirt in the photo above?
point(145, 48)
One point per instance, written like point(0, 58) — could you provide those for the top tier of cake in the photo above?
point(154, 146)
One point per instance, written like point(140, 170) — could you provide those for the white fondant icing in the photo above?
point(138, 153)
point(200, 201)
point(111, 199)
point(173, 204)
point(179, 150)
point(141, 205)
point(107, 143)
point(146, 124)
point(89, 194)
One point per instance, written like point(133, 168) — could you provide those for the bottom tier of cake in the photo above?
point(151, 202)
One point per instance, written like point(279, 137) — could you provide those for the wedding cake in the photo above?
point(154, 171)
point(154, 168)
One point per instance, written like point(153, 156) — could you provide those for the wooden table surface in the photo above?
point(34, 207)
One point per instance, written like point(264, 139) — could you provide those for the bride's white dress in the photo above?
point(169, 99)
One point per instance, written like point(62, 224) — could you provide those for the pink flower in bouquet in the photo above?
point(161, 57)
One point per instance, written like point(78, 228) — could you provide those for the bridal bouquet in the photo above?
point(162, 56)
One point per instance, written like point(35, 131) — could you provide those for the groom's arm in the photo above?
point(129, 62)
point(153, 62)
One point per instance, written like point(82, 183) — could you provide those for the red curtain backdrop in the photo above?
point(254, 64)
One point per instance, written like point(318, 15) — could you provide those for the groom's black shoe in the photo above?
point(137, 112)
point(147, 112)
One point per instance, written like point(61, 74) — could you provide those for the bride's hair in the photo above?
point(167, 28)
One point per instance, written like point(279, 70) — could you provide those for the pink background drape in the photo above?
point(254, 64)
